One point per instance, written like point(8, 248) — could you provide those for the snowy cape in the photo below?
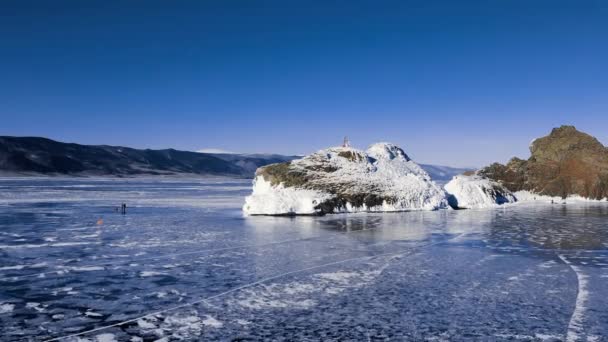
point(477, 192)
point(344, 179)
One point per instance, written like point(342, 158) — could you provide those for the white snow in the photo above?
point(92, 314)
point(151, 274)
point(34, 306)
point(478, 192)
point(20, 267)
point(209, 321)
point(384, 170)
point(145, 324)
point(339, 277)
point(107, 337)
point(268, 199)
point(60, 244)
point(527, 196)
point(85, 268)
point(186, 327)
point(243, 322)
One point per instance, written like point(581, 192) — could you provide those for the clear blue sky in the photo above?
point(458, 83)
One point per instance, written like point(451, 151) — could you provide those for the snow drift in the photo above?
point(344, 179)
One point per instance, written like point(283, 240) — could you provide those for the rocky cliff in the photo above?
point(566, 162)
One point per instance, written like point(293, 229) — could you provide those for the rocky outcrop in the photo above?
point(344, 179)
point(475, 191)
point(564, 163)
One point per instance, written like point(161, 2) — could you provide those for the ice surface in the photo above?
point(183, 264)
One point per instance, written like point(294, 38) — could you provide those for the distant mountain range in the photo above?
point(35, 156)
point(32, 156)
point(443, 174)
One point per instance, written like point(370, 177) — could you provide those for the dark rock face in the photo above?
point(34, 155)
point(566, 162)
point(513, 175)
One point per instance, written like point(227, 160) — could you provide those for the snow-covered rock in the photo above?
point(268, 199)
point(475, 191)
point(344, 179)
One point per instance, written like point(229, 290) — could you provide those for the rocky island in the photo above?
point(565, 163)
point(344, 179)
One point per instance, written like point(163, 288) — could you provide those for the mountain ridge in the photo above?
point(42, 156)
point(36, 156)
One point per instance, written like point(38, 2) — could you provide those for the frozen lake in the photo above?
point(183, 264)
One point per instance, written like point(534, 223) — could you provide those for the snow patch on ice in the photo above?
point(6, 307)
point(151, 274)
point(209, 321)
point(34, 306)
point(84, 268)
point(58, 244)
point(274, 296)
point(243, 322)
point(92, 314)
point(297, 294)
point(107, 337)
point(145, 324)
point(183, 327)
point(20, 267)
point(338, 277)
